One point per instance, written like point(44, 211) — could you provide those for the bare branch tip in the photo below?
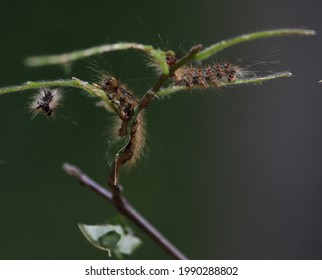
point(71, 170)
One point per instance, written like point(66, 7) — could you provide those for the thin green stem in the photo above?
point(215, 48)
point(65, 58)
point(255, 80)
point(35, 85)
point(41, 84)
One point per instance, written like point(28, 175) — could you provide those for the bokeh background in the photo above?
point(230, 174)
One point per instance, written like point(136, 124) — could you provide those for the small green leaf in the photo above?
point(115, 147)
point(111, 238)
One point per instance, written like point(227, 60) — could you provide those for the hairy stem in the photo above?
point(81, 54)
point(125, 208)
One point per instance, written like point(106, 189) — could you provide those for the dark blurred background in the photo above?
point(229, 174)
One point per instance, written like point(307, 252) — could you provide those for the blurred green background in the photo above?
point(231, 174)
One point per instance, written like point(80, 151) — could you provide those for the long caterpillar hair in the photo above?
point(126, 102)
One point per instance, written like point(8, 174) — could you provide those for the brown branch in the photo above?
point(125, 208)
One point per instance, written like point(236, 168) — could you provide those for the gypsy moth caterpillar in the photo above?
point(123, 99)
point(134, 149)
point(45, 101)
point(211, 75)
point(126, 102)
point(206, 76)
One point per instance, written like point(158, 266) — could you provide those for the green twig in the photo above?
point(81, 54)
point(215, 48)
point(55, 83)
point(64, 59)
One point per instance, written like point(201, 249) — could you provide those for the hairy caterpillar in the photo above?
point(211, 75)
point(126, 102)
point(45, 102)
